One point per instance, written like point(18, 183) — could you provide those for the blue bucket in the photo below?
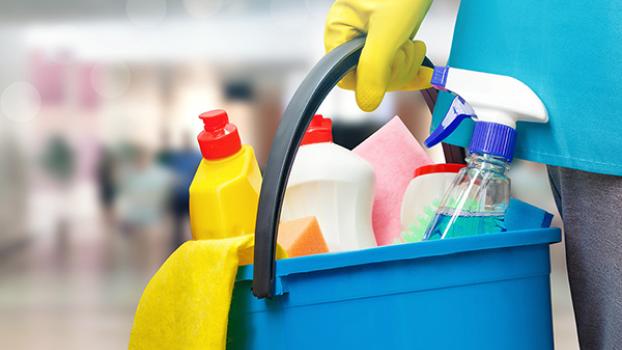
point(483, 292)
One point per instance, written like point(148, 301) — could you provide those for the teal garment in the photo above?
point(570, 54)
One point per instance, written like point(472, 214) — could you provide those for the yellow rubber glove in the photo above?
point(390, 60)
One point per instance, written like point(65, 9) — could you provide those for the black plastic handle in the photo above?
point(296, 118)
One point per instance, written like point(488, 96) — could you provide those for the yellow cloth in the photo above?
point(390, 60)
point(186, 303)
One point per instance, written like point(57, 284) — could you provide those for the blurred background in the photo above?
point(98, 117)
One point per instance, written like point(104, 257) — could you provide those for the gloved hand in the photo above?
point(390, 60)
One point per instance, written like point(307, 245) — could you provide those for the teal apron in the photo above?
point(570, 54)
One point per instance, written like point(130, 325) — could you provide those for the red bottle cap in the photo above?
point(219, 138)
point(438, 168)
point(320, 130)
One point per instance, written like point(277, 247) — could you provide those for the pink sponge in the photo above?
point(394, 153)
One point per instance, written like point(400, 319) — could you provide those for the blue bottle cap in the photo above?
point(494, 139)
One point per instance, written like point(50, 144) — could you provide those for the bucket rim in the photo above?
point(408, 251)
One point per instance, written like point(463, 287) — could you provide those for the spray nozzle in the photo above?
point(495, 102)
point(458, 111)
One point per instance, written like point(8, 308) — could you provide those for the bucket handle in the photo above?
point(296, 118)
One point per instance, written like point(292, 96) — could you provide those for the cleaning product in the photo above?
point(224, 193)
point(477, 200)
point(393, 152)
point(186, 303)
point(422, 198)
point(301, 237)
point(334, 185)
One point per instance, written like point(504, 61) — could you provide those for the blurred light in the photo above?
point(20, 102)
point(219, 40)
point(287, 16)
point(202, 9)
point(49, 75)
point(146, 13)
point(111, 81)
point(317, 9)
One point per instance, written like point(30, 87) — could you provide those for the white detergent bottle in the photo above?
point(422, 198)
point(334, 185)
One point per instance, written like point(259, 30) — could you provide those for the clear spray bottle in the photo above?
point(477, 200)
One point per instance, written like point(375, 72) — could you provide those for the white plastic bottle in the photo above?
point(334, 185)
point(423, 196)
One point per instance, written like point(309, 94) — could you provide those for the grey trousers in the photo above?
point(591, 208)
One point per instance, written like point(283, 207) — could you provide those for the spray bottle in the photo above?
point(478, 197)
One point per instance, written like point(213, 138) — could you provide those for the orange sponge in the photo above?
point(301, 237)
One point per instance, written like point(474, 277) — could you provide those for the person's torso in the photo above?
point(570, 54)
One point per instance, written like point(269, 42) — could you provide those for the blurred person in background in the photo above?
point(107, 183)
point(576, 144)
point(58, 161)
point(164, 154)
point(182, 164)
point(144, 186)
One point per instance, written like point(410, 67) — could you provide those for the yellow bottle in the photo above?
point(225, 190)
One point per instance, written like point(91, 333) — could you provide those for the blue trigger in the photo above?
point(458, 111)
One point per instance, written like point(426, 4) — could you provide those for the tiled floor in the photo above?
point(79, 290)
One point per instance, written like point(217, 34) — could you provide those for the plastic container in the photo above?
point(477, 200)
point(480, 292)
point(226, 184)
point(333, 184)
point(422, 197)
